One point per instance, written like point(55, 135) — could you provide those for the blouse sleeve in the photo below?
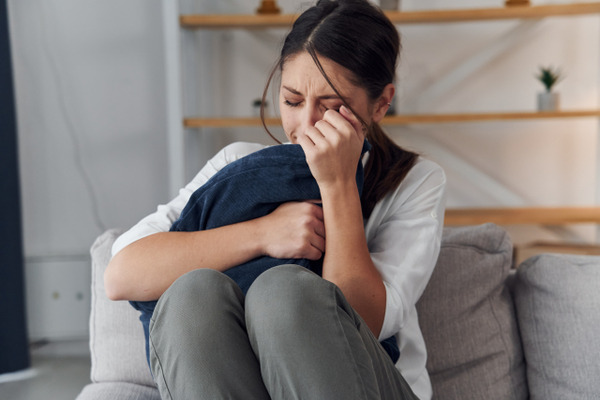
point(164, 216)
point(404, 235)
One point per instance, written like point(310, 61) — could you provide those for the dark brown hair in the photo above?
point(360, 38)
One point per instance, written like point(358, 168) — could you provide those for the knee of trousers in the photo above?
point(201, 289)
point(283, 297)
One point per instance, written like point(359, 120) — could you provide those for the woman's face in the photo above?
point(305, 95)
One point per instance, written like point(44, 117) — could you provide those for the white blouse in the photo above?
point(403, 235)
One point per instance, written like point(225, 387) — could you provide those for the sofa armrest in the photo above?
point(117, 343)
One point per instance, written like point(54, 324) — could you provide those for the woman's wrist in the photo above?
point(339, 189)
point(256, 238)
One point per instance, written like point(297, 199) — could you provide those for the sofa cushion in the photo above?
point(468, 320)
point(118, 391)
point(558, 308)
point(116, 335)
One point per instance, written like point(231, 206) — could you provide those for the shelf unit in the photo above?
point(507, 216)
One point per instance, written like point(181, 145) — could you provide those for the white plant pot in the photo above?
point(548, 101)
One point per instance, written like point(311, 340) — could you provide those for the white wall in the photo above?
point(89, 80)
point(90, 84)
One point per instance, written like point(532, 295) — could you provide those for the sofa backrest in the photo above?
point(558, 308)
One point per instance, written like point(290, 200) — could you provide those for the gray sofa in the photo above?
point(491, 332)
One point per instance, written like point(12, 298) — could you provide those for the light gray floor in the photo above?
point(59, 371)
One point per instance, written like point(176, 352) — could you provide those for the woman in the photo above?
point(296, 334)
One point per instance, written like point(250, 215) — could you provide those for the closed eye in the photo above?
point(290, 104)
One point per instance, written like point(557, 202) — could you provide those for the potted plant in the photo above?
point(257, 104)
point(548, 100)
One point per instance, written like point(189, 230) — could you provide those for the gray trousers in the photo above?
point(294, 336)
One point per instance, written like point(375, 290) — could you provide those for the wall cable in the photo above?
point(80, 165)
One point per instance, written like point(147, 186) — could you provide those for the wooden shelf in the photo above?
point(486, 14)
point(227, 122)
point(404, 119)
point(528, 215)
point(197, 21)
point(480, 117)
point(232, 21)
point(522, 252)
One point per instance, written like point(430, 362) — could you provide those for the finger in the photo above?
point(314, 255)
point(337, 121)
point(313, 141)
point(354, 121)
point(317, 209)
point(318, 224)
point(320, 230)
point(319, 244)
point(333, 132)
point(344, 126)
point(306, 142)
point(319, 132)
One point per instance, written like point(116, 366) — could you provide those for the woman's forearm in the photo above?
point(347, 260)
point(146, 268)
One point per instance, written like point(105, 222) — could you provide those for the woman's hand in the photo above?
point(294, 230)
point(333, 147)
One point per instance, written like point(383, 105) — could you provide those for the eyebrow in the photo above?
point(324, 97)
